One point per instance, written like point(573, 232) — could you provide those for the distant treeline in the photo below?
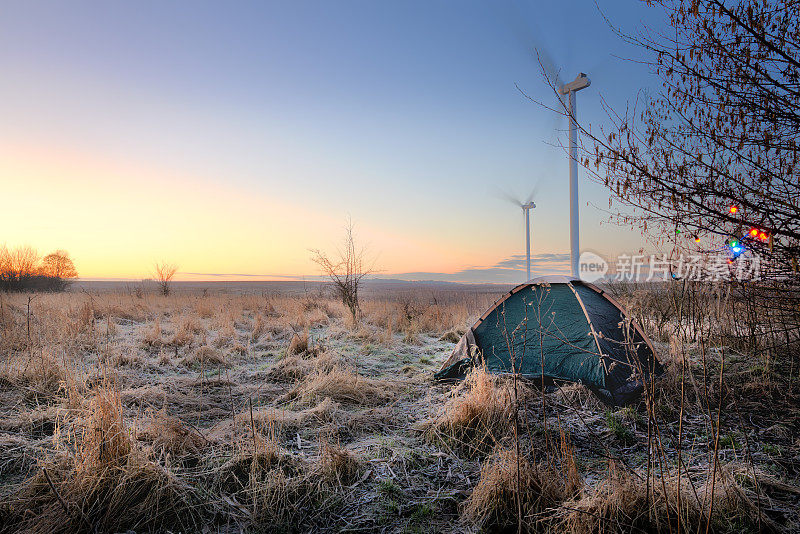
point(24, 269)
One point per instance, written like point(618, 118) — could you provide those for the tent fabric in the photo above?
point(559, 329)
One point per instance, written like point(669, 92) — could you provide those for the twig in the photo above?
point(64, 504)
point(55, 491)
point(252, 424)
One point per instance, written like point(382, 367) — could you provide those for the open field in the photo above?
point(266, 409)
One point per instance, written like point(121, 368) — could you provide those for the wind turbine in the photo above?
point(526, 211)
point(522, 25)
point(580, 82)
point(526, 206)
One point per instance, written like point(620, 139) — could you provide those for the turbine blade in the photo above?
point(549, 66)
point(505, 195)
point(533, 192)
point(522, 25)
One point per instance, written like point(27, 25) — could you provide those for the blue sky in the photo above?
point(294, 115)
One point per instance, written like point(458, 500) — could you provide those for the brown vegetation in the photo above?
point(164, 273)
point(478, 418)
point(509, 481)
point(145, 414)
point(23, 269)
point(346, 270)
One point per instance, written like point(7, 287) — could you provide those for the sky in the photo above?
point(230, 138)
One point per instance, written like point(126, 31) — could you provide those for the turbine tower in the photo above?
point(580, 82)
point(526, 211)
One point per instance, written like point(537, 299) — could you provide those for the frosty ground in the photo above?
point(223, 411)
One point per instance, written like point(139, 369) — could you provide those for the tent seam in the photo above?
point(591, 327)
point(624, 313)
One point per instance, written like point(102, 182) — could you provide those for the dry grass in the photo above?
point(510, 482)
point(452, 336)
point(260, 328)
point(279, 500)
point(476, 419)
point(337, 465)
point(153, 336)
point(107, 484)
point(343, 386)
point(41, 377)
point(291, 369)
point(205, 356)
point(290, 422)
point(622, 503)
point(168, 434)
point(185, 332)
point(298, 344)
point(297, 367)
point(274, 488)
point(138, 407)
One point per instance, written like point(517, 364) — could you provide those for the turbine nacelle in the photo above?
point(581, 81)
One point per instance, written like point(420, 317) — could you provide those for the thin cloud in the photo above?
point(517, 261)
point(244, 275)
point(507, 270)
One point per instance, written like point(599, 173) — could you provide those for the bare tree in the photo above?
point(346, 269)
point(59, 266)
point(23, 269)
point(24, 262)
point(164, 272)
point(18, 268)
point(715, 153)
point(6, 274)
point(714, 156)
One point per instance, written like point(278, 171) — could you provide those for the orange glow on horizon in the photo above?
point(116, 219)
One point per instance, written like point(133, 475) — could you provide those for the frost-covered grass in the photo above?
point(276, 413)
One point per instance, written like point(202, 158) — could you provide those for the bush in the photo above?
point(22, 269)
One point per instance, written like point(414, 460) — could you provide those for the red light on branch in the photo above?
point(758, 233)
point(734, 210)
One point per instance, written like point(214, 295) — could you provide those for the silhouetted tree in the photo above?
point(24, 263)
point(23, 269)
point(6, 273)
point(346, 270)
point(59, 267)
point(715, 152)
point(164, 273)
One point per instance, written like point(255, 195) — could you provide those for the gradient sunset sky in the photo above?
point(232, 137)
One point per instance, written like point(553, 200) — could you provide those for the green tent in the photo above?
point(560, 329)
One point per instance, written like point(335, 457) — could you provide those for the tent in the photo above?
point(558, 328)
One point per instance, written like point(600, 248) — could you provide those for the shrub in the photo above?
point(476, 420)
point(509, 484)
